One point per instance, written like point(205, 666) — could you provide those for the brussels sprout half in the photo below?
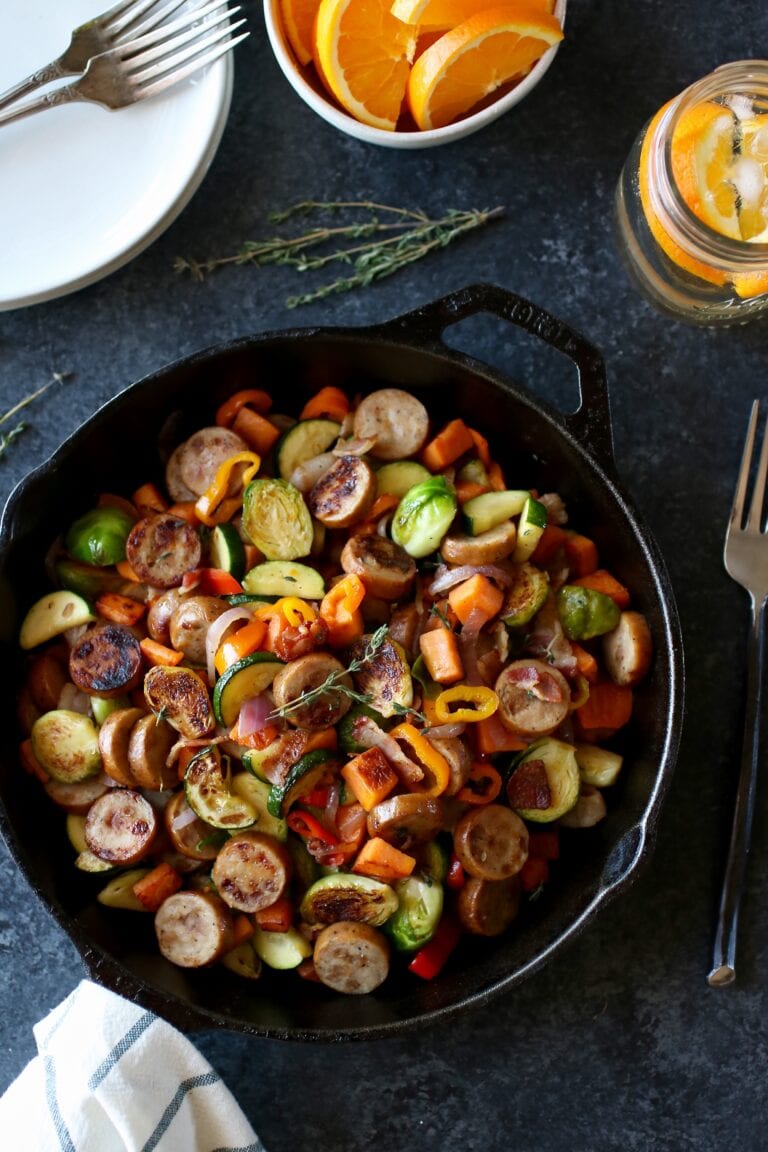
point(99, 536)
point(423, 516)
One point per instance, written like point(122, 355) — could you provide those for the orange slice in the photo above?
point(703, 146)
point(299, 22)
point(363, 55)
point(448, 13)
point(475, 58)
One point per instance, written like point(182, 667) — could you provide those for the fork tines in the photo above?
point(755, 516)
point(176, 48)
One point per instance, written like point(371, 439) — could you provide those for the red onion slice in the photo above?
point(446, 578)
point(215, 632)
point(445, 731)
point(185, 817)
point(254, 715)
point(355, 447)
point(368, 733)
point(306, 475)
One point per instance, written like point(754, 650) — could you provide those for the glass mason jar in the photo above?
point(683, 265)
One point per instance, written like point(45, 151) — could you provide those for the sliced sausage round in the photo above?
point(406, 820)
point(397, 421)
point(488, 907)
point(404, 628)
point(47, 676)
point(305, 674)
point(344, 494)
point(352, 958)
point(627, 649)
point(488, 548)
point(190, 622)
point(251, 871)
point(459, 758)
point(182, 698)
point(120, 826)
point(534, 698)
point(177, 489)
point(150, 742)
point(193, 929)
point(202, 455)
point(78, 796)
point(162, 548)
point(491, 842)
point(114, 737)
point(106, 661)
point(159, 615)
point(189, 835)
point(384, 567)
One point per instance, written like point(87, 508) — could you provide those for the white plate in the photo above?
point(84, 190)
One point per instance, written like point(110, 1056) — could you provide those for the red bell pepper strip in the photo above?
point(211, 582)
point(455, 877)
point(429, 960)
point(309, 827)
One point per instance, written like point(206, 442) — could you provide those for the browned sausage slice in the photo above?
point(351, 958)
point(190, 622)
point(487, 548)
point(251, 871)
point(106, 661)
point(79, 796)
point(47, 676)
point(343, 494)
point(459, 759)
point(182, 698)
point(488, 907)
point(177, 489)
point(491, 842)
point(189, 835)
point(161, 548)
point(627, 649)
point(395, 419)
point(534, 698)
point(114, 736)
point(120, 826)
point(406, 820)
point(384, 567)
point(159, 615)
point(193, 929)
point(150, 742)
point(202, 455)
point(404, 629)
point(304, 674)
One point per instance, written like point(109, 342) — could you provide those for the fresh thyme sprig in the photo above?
point(333, 680)
point(7, 438)
point(386, 245)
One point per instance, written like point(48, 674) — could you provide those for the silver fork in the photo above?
point(129, 18)
point(746, 561)
point(140, 67)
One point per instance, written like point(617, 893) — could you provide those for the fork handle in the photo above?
point(63, 95)
point(724, 953)
point(52, 71)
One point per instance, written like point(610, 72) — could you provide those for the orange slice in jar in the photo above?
point(363, 55)
point(475, 58)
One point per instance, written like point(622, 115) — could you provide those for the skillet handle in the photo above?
point(591, 422)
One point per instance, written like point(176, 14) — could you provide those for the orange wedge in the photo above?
point(475, 58)
point(363, 54)
point(448, 13)
point(299, 21)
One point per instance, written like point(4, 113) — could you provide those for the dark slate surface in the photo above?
point(618, 1043)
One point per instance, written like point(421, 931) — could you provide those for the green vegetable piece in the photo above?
point(473, 472)
point(530, 528)
point(423, 516)
point(385, 678)
point(487, 511)
point(226, 550)
point(242, 681)
point(345, 896)
point(525, 595)
point(277, 520)
point(99, 536)
point(276, 578)
point(302, 777)
point(304, 441)
point(562, 777)
point(256, 793)
point(399, 476)
point(585, 613)
point(418, 914)
point(51, 615)
point(345, 727)
point(207, 785)
point(67, 745)
point(430, 687)
point(90, 581)
point(101, 708)
point(281, 950)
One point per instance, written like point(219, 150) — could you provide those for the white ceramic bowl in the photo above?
point(309, 87)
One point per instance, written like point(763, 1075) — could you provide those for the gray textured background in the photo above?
point(618, 1043)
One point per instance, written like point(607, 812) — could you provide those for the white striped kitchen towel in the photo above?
point(110, 1077)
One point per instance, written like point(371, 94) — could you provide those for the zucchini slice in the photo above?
point(242, 681)
point(256, 792)
point(302, 442)
point(533, 521)
point(276, 519)
point(484, 512)
point(400, 476)
point(207, 787)
point(226, 550)
point(473, 472)
point(281, 950)
point(525, 596)
point(302, 777)
point(243, 960)
point(282, 578)
point(53, 614)
point(118, 892)
point(562, 777)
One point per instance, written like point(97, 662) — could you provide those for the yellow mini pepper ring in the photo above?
point(479, 703)
point(216, 506)
point(437, 773)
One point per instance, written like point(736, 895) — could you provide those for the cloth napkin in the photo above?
point(111, 1077)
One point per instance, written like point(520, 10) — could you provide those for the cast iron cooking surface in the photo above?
point(121, 447)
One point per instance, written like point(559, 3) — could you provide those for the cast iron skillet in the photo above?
point(118, 448)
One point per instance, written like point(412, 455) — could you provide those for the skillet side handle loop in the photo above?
point(591, 422)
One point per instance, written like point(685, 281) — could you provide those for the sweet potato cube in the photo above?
point(370, 776)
